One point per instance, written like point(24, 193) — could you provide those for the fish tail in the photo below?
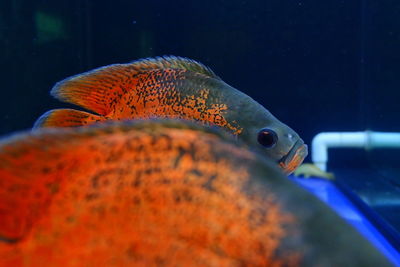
point(66, 118)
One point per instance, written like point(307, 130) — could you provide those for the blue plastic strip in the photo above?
point(329, 193)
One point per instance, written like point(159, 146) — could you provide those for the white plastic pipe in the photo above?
point(367, 140)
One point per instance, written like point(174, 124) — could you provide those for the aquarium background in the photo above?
point(316, 65)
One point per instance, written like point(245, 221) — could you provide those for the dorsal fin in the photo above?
point(98, 89)
point(173, 62)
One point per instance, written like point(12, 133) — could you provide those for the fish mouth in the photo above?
point(294, 157)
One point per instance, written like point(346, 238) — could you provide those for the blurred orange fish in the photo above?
point(174, 87)
point(157, 193)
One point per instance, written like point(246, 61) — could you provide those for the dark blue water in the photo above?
point(316, 65)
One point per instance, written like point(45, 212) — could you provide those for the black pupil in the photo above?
point(267, 138)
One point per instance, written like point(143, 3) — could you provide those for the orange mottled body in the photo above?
point(133, 92)
point(159, 193)
point(157, 95)
point(139, 196)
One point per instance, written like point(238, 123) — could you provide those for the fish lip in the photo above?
point(294, 157)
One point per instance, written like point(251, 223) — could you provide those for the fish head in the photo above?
point(275, 139)
point(282, 144)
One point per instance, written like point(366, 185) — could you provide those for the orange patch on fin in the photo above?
point(166, 87)
point(99, 90)
point(66, 118)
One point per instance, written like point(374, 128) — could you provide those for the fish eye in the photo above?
point(267, 137)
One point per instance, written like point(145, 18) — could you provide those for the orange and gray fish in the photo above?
point(160, 193)
point(173, 87)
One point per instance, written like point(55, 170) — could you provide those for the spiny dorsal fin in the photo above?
point(173, 62)
point(98, 90)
